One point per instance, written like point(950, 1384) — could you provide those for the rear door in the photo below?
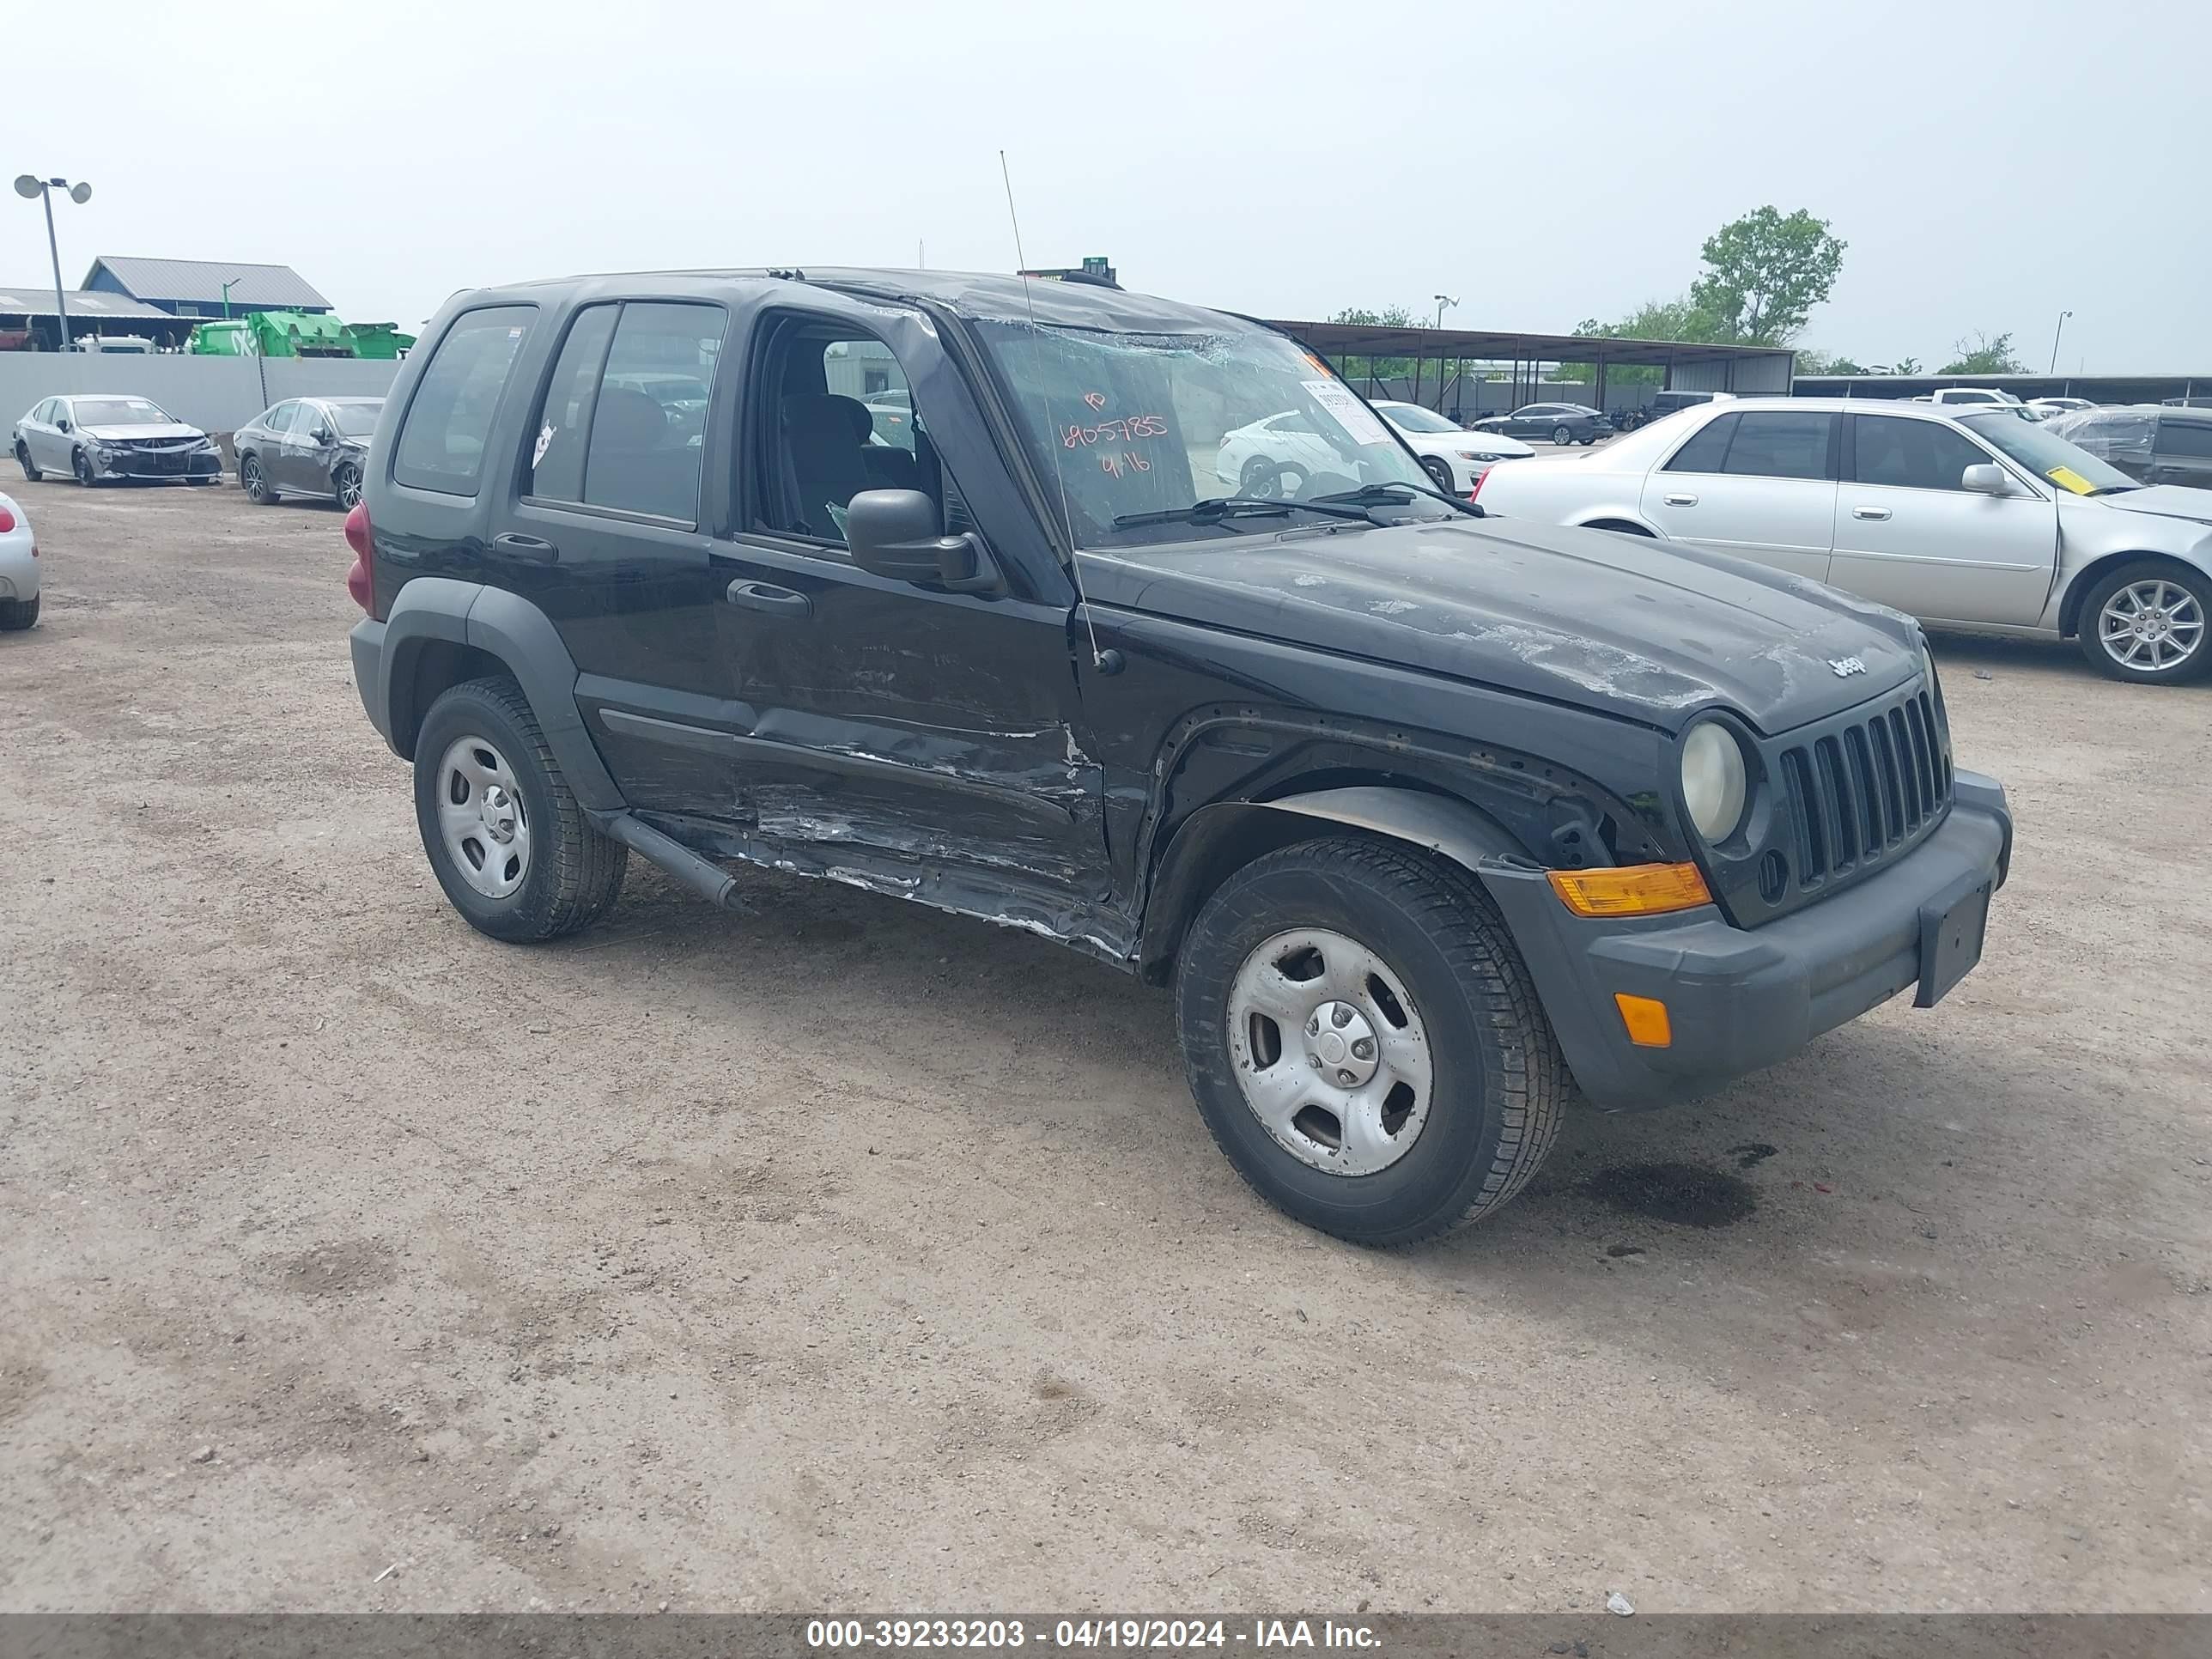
point(2181, 454)
point(1909, 534)
point(606, 539)
point(297, 447)
point(1759, 484)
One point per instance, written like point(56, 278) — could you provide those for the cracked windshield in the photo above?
point(1129, 424)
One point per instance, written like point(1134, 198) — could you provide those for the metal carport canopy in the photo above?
point(1371, 340)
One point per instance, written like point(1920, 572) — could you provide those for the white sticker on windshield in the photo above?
point(1347, 411)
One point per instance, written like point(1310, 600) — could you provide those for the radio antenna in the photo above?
point(1044, 397)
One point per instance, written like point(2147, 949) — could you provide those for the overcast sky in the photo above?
point(1988, 164)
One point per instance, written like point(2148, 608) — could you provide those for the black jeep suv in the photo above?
point(1427, 818)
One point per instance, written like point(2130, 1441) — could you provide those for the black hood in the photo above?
point(1622, 624)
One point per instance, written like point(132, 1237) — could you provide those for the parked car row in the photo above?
point(1958, 515)
point(300, 446)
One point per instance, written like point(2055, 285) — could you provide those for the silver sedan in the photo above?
point(1963, 518)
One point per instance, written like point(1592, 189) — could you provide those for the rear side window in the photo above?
point(278, 417)
point(648, 429)
point(2191, 440)
point(556, 470)
point(441, 445)
point(1708, 450)
point(1780, 445)
point(1907, 454)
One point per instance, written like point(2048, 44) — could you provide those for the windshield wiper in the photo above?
point(1376, 494)
point(1215, 509)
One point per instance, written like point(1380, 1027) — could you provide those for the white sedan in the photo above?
point(19, 567)
point(1966, 517)
point(1454, 458)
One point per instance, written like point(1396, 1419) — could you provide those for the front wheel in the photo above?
point(81, 465)
point(1563, 435)
point(31, 473)
point(506, 836)
point(1365, 1041)
point(1260, 478)
point(1439, 473)
point(254, 482)
point(347, 479)
point(2145, 622)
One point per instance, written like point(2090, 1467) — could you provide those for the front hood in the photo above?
point(1622, 624)
point(2164, 501)
point(152, 430)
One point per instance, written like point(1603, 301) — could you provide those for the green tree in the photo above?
point(1765, 272)
point(1812, 360)
point(1902, 366)
point(1678, 319)
point(1988, 354)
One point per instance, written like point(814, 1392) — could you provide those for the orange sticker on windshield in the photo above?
point(2067, 478)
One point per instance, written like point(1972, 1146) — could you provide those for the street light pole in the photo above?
point(2055, 333)
point(29, 185)
point(227, 287)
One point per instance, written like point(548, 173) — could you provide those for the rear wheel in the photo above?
point(2146, 623)
point(23, 459)
point(1563, 435)
point(1365, 1041)
point(506, 836)
point(18, 613)
point(255, 482)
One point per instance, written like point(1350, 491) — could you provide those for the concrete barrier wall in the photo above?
point(217, 394)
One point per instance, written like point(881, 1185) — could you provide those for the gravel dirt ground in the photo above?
point(850, 1256)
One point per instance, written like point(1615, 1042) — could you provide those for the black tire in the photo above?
point(31, 474)
point(1439, 473)
point(255, 482)
point(345, 484)
point(1563, 435)
point(81, 465)
point(2194, 606)
point(1259, 478)
point(16, 614)
point(575, 873)
point(1499, 1086)
point(1590, 438)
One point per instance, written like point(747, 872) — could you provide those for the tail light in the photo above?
point(1479, 477)
point(7, 521)
point(361, 581)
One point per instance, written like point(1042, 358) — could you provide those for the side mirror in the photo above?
point(896, 534)
point(1986, 478)
point(321, 434)
point(62, 424)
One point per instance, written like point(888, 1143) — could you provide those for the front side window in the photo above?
point(448, 425)
point(1905, 454)
point(824, 444)
point(2047, 455)
point(1121, 423)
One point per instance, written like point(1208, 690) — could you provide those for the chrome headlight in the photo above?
point(1716, 786)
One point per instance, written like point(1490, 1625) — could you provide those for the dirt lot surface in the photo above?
point(850, 1256)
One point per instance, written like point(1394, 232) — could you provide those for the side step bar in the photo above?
point(710, 881)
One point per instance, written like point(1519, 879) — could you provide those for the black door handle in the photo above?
point(766, 596)
point(511, 546)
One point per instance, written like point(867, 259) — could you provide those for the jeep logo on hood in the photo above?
point(1846, 666)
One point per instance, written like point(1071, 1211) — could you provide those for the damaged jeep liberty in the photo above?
point(1128, 623)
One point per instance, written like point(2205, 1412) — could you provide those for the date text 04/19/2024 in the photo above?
point(1126, 1634)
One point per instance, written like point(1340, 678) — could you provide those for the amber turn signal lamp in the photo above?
point(1646, 1020)
point(1635, 890)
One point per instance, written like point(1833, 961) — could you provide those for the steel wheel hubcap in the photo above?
point(1329, 1051)
point(2149, 625)
point(481, 817)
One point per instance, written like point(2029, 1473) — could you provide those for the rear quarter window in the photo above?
point(449, 422)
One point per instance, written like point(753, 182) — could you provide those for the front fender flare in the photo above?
point(1219, 838)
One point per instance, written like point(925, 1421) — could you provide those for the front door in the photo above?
point(1760, 485)
point(918, 727)
point(1909, 534)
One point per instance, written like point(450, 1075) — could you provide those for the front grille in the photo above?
point(1866, 787)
